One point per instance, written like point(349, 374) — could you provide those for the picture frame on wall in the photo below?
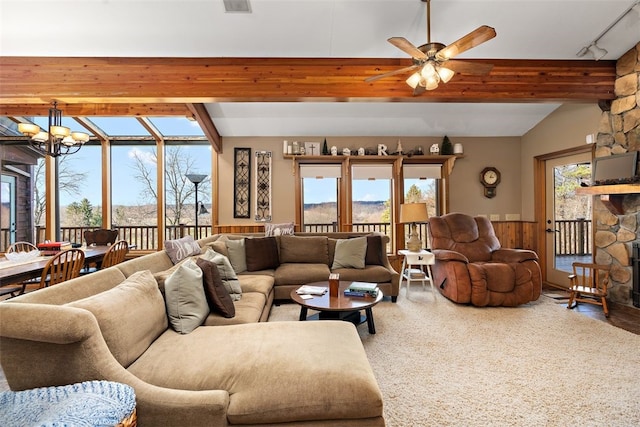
point(242, 182)
point(263, 186)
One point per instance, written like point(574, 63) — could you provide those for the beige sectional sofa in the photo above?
point(113, 325)
point(309, 257)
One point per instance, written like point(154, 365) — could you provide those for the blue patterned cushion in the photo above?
point(91, 403)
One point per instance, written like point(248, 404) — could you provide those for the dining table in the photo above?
point(17, 272)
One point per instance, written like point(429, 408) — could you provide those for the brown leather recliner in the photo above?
point(471, 267)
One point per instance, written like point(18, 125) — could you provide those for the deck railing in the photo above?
point(381, 227)
point(142, 237)
point(573, 237)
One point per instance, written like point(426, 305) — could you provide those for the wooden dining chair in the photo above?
point(21, 288)
point(22, 247)
point(100, 237)
point(115, 254)
point(589, 284)
point(63, 266)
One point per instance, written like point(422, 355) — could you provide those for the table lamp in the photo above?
point(413, 213)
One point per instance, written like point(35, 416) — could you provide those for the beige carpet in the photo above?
point(442, 364)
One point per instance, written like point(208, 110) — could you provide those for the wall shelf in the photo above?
point(446, 160)
point(611, 195)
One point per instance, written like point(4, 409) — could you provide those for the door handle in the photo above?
point(549, 230)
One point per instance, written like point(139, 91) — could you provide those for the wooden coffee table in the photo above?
point(339, 308)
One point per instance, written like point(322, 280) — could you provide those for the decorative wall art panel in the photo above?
point(242, 183)
point(263, 186)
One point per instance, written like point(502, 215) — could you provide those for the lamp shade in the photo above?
point(28, 129)
point(196, 178)
point(413, 212)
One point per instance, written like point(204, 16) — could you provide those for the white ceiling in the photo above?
point(526, 29)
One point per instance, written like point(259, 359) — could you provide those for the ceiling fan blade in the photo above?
point(473, 39)
point(391, 73)
point(406, 46)
point(468, 67)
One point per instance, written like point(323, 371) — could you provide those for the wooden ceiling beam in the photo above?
point(206, 124)
point(97, 109)
point(99, 83)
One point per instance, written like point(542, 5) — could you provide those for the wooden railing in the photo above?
point(369, 227)
point(142, 237)
point(574, 237)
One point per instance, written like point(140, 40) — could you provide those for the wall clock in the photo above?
point(490, 178)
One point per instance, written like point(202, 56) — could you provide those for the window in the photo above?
point(80, 183)
point(134, 201)
point(320, 195)
point(371, 198)
point(420, 186)
point(180, 192)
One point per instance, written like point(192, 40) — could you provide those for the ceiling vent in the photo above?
point(237, 6)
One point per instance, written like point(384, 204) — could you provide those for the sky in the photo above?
point(126, 189)
point(323, 190)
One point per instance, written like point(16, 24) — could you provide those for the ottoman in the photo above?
point(90, 403)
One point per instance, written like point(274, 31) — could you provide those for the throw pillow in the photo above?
point(374, 250)
point(278, 229)
point(311, 249)
point(131, 315)
point(237, 255)
point(179, 249)
point(185, 298)
point(220, 245)
point(217, 295)
point(228, 276)
point(261, 253)
point(350, 253)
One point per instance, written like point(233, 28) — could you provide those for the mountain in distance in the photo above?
point(362, 212)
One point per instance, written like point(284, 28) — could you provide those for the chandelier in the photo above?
point(59, 140)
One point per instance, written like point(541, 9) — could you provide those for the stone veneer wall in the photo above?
point(619, 132)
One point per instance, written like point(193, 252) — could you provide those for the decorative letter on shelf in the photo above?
point(263, 186)
point(241, 182)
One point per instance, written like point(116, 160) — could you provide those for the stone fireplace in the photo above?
point(619, 132)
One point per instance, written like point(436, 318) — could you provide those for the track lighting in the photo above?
point(592, 48)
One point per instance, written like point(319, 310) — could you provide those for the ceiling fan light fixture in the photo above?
point(432, 83)
point(445, 74)
point(414, 80)
point(428, 70)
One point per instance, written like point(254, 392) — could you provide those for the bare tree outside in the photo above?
point(179, 191)
point(69, 182)
point(567, 180)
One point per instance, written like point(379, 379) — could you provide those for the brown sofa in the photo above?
point(471, 267)
point(112, 325)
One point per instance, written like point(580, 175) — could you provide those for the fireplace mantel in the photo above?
point(611, 195)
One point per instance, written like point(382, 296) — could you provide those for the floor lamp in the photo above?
point(413, 213)
point(197, 179)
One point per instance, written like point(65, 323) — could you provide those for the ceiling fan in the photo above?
point(434, 61)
